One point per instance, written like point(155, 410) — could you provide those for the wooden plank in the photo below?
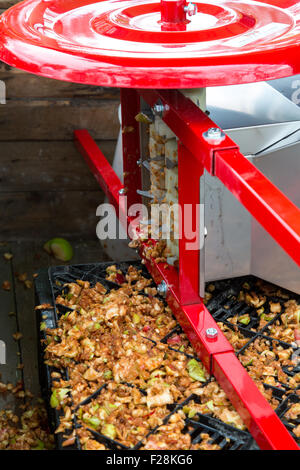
point(54, 120)
point(20, 84)
point(45, 214)
point(47, 166)
point(8, 327)
point(28, 258)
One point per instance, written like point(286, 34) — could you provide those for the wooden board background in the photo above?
point(28, 257)
point(46, 188)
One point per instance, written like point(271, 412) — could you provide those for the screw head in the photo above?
point(122, 191)
point(162, 289)
point(191, 9)
point(211, 333)
point(214, 135)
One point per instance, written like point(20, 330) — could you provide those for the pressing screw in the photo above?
point(214, 134)
point(211, 333)
point(191, 9)
point(162, 289)
point(122, 191)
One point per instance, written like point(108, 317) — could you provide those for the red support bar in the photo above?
point(189, 173)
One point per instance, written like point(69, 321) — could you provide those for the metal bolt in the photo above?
point(211, 333)
point(139, 162)
point(162, 289)
point(214, 134)
point(191, 9)
point(122, 191)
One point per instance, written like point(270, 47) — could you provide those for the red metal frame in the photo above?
point(264, 201)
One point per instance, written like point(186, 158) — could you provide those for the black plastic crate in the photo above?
point(48, 285)
point(110, 443)
point(114, 444)
point(227, 437)
point(225, 305)
point(93, 273)
point(277, 393)
point(249, 335)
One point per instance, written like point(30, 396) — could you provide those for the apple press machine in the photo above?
point(199, 114)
